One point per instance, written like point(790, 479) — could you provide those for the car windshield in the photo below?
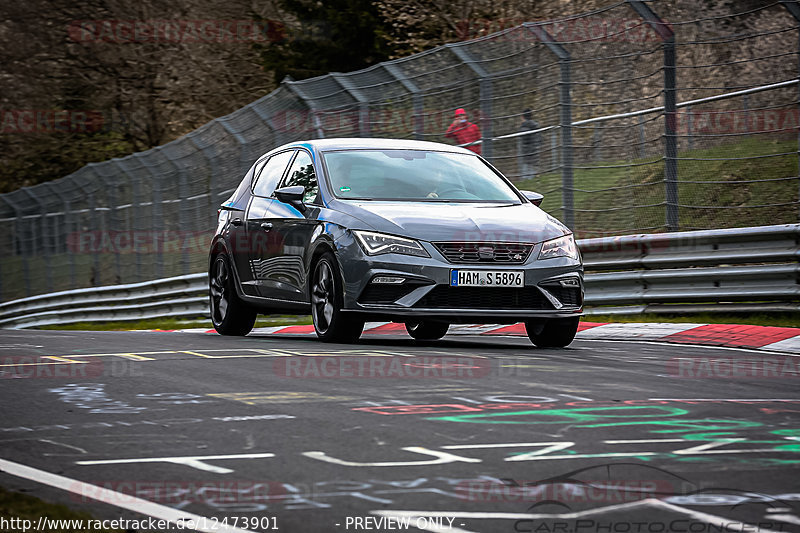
point(414, 176)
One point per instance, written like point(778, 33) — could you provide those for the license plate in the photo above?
point(487, 278)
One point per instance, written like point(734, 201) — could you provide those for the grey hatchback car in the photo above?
point(422, 233)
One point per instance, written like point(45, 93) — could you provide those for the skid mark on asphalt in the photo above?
point(267, 397)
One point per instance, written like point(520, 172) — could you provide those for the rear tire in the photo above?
point(327, 300)
point(229, 314)
point(552, 332)
point(427, 330)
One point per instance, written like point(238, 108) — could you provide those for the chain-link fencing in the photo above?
point(634, 118)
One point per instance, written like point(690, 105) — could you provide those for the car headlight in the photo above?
point(561, 247)
point(380, 243)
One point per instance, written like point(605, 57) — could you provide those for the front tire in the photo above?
point(427, 330)
point(553, 332)
point(229, 315)
point(327, 300)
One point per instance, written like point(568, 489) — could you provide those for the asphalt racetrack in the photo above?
point(468, 434)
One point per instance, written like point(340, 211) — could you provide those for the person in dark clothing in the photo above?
point(528, 147)
point(463, 131)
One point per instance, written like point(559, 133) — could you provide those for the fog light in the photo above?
point(570, 282)
point(388, 280)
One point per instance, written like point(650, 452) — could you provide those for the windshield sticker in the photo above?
point(344, 188)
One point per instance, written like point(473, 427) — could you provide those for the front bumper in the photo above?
point(552, 287)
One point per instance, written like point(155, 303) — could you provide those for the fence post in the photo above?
point(565, 120)
point(293, 88)
point(112, 223)
point(68, 223)
point(132, 220)
point(485, 95)
point(597, 137)
point(26, 270)
point(690, 127)
point(363, 103)
point(670, 110)
point(746, 109)
point(95, 276)
point(214, 187)
point(156, 220)
point(642, 138)
point(269, 123)
point(45, 246)
point(793, 6)
point(416, 98)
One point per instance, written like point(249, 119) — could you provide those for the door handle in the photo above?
point(236, 221)
point(266, 226)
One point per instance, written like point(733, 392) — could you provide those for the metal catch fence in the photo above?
point(643, 119)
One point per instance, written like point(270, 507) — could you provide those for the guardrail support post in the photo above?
point(670, 110)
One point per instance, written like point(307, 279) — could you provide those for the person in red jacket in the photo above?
point(463, 131)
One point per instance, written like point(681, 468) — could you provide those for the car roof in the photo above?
point(346, 143)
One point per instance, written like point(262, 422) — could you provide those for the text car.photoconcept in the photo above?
point(421, 233)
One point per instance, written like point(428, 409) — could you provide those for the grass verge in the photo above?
point(615, 197)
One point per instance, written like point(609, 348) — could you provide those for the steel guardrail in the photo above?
point(738, 270)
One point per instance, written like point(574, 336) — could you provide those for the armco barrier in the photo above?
point(744, 269)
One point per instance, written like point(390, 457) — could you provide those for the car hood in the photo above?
point(438, 221)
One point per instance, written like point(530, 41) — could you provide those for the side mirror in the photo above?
point(534, 197)
point(293, 196)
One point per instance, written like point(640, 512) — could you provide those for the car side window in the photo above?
point(302, 173)
point(271, 173)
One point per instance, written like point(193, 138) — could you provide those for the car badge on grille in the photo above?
point(517, 257)
point(486, 252)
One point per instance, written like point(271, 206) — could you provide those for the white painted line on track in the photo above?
point(118, 499)
point(732, 400)
point(193, 461)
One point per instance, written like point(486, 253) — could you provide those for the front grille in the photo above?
point(446, 297)
point(377, 293)
point(509, 253)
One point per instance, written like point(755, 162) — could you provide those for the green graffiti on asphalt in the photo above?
point(579, 414)
point(602, 417)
